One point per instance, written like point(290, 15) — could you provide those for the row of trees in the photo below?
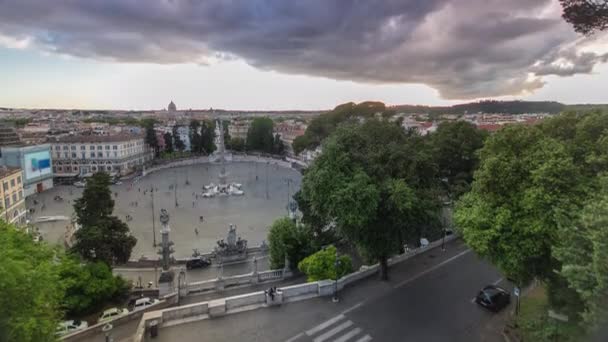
point(377, 187)
point(538, 209)
point(260, 137)
point(40, 284)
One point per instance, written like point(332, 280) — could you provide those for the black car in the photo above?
point(197, 263)
point(493, 298)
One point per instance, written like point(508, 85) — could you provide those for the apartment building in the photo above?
point(12, 208)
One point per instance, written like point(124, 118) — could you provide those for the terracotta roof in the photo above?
point(489, 127)
point(7, 171)
point(98, 138)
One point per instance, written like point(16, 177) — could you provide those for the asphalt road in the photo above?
point(429, 298)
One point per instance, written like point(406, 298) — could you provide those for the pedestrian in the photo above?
point(138, 189)
point(196, 231)
point(193, 204)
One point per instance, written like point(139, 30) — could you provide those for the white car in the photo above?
point(68, 327)
point(143, 303)
point(112, 313)
point(80, 184)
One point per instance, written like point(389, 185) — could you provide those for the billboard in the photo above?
point(37, 164)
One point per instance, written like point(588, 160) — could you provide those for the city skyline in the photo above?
point(268, 55)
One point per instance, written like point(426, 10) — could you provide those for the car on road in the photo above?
point(493, 298)
point(80, 184)
point(197, 263)
point(68, 327)
point(112, 313)
point(143, 303)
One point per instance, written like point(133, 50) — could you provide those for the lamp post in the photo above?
point(336, 264)
point(181, 279)
point(153, 218)
point(107, 332)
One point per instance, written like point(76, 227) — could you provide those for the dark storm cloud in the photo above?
point(462, 48)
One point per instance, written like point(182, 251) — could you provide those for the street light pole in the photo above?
point(153, 218)
point(336, 264)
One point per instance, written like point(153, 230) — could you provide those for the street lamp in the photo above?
point(336, 264)
point(106, 330)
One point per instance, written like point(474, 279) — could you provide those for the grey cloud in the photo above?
point(462, 48)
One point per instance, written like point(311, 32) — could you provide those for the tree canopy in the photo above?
point(286, 239)
point(586, 16)
point(534, 210)
point(322, 265)
point(259, 135)
point(376, 184)
point(101, 237)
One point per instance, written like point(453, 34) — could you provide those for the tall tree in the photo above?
point(30, 288)
point(196, 142)
point(374, 183)
point(278, 147)
point(287, 240)
point(101, 236)
point(455, 146)
point(259, 135)
point(168, 142)
point(151, 139)
point(586, 16)
point(208, 137)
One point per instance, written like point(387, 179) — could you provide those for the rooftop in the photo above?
point(7, 171)
point(98, 138)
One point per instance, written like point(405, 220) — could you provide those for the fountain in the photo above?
point(233, 249)
point(223, 188)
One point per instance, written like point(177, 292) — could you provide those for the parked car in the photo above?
point(80, 184)
point(68, 327)
point(197, 263)
point(112, 313)
point(493, 298)
point(143, 303)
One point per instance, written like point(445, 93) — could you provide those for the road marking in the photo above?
point(354, 307)
point(365, 338)
point(333, 331)
point(473, 300)
point(295, 337)
point(348, 335)
point(497, 282)
point(405, 282)
point(324, 325)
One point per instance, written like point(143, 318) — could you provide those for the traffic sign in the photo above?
point(516, 291)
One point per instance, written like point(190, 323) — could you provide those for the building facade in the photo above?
point(12, 208)
point(239, 128)
point(84, 155)
point(36, 164)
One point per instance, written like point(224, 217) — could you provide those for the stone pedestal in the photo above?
point(217, 308)
point(166, 284)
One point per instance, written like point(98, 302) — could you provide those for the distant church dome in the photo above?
point(171, 107)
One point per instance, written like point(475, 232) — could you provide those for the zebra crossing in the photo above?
point(337, 329)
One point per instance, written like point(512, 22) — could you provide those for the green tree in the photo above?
point(278, 147)
point(101, 236)
point(30, 288)
point(375, 184)
point(88, 287)
point(455, 146)
point(584, 258)
point(196, 142)
point(259, 135)
point(208, 136)
point(525, 182)
point(168, 142)
point(286, 239)
point(151, 139)
point(237, 144)
point(322, 265)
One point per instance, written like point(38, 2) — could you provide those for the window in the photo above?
point(57, 147)
point(65, 147)
point(84, 155)
point(18, 179)
point(73, 155)
point(114, 147)
point(82, 147)
point(5, 186)
point(73, 147)
point(115, 154)
point(109, 168)
point(65, 154)
point(14, 197)
point(12, 182)
point(92, 147)
point(7, 202)
point(20, 195)
point(100, 154)
point(92, 154)
point(59, 168)
point(107, 147)
point(99, 147)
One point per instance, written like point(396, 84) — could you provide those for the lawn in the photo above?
point(534, 323)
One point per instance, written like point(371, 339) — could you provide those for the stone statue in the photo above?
point(232, 235)
point(164, 217)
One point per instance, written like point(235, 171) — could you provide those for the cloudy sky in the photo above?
point(277, 54)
